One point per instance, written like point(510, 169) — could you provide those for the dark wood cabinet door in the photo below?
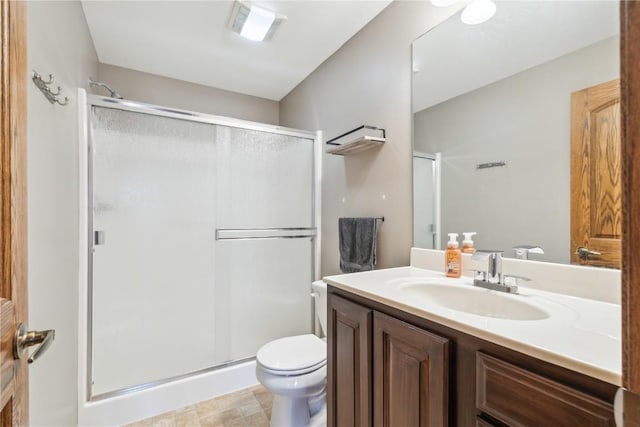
point(348, 363)
point(411, 375)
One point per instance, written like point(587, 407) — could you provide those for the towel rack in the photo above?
point(356, 140)
point(45, 88)
point(378, 218)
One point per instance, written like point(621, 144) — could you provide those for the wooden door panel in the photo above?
point(348, 363)
point(410, 374)
point(606, 221)
point(13, 212)
point(410, 368)
point(596, 165)
point(6, 349)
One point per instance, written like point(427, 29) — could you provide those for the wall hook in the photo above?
point(48, 82)
point(45, 88)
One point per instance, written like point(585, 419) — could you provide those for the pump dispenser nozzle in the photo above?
point(453, 240)
point(467, 237)
point(467, 243)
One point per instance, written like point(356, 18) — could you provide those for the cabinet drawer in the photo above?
point(521, 398)
point(482, 423)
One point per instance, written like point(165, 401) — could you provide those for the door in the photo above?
point(152, 218)
point(348, 363)
point(426, 203)
point(265, 238)
point(13, 213)
point(410, 374)
point(596, 189)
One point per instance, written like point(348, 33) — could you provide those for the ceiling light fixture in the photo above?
point(478, 11)
point(443, 3)
point(254, 22)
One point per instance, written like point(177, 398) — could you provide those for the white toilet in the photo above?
point(294, 369)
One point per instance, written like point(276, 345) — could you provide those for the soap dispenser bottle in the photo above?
point(453, 257)
point(467, 243)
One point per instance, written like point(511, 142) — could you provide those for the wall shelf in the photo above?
point(357, 140)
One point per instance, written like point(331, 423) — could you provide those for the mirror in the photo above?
point(492, 106)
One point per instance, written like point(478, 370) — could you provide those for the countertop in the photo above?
point(580, 334)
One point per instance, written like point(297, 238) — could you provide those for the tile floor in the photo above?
point(250, 407)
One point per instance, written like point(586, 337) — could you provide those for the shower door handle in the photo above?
point(98, 237)
point(265, 233)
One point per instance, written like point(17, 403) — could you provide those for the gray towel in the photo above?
point(357, 244)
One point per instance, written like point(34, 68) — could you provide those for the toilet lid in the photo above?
point(293, 353)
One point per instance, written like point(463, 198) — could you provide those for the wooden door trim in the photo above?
point(630, 85)
point(13, 188)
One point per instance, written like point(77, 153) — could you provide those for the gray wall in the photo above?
point(367, 81)
point(525, 120)
point(154, 89)
point(58, 42)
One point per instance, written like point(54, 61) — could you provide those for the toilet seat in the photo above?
point(295, 355)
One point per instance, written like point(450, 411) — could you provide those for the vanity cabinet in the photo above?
point(405, 379)
point(387, 367)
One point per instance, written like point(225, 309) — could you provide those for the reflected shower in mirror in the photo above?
point(426, 200)
point(506, 105)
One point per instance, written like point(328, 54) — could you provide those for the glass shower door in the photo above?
point(425, 202)
point(153, 242)
point(265, 238)
point(202, 244)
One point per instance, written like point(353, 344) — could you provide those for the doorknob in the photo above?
point(585, 253)
point(626, 408)
point(24, 339)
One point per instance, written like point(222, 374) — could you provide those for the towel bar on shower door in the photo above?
point(264, 233)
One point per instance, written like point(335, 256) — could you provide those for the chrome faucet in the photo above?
point(523, 251)
point(493, 278)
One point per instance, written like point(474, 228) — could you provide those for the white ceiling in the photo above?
point(455, 58)
point(191, 41)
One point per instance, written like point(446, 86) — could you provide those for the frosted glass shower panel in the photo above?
point(153, 273)
point(264, 180)
point(265, 233)
point(424, 219)
point(266, 292)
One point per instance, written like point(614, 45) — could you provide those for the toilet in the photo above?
point(294, 370)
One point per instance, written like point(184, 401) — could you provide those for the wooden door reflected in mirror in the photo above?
point(596, 188)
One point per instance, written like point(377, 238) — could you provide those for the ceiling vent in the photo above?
point(254, 22)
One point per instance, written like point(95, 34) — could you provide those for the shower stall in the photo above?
point(201, 238)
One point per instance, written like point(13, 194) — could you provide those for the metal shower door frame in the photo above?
point(85, 104)
point(437, 194)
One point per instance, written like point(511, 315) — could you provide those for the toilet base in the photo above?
point(289, 412)
point(319, 419)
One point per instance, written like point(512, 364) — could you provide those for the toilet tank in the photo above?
point(319, 289)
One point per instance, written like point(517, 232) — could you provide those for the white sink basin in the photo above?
point(478, 301)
